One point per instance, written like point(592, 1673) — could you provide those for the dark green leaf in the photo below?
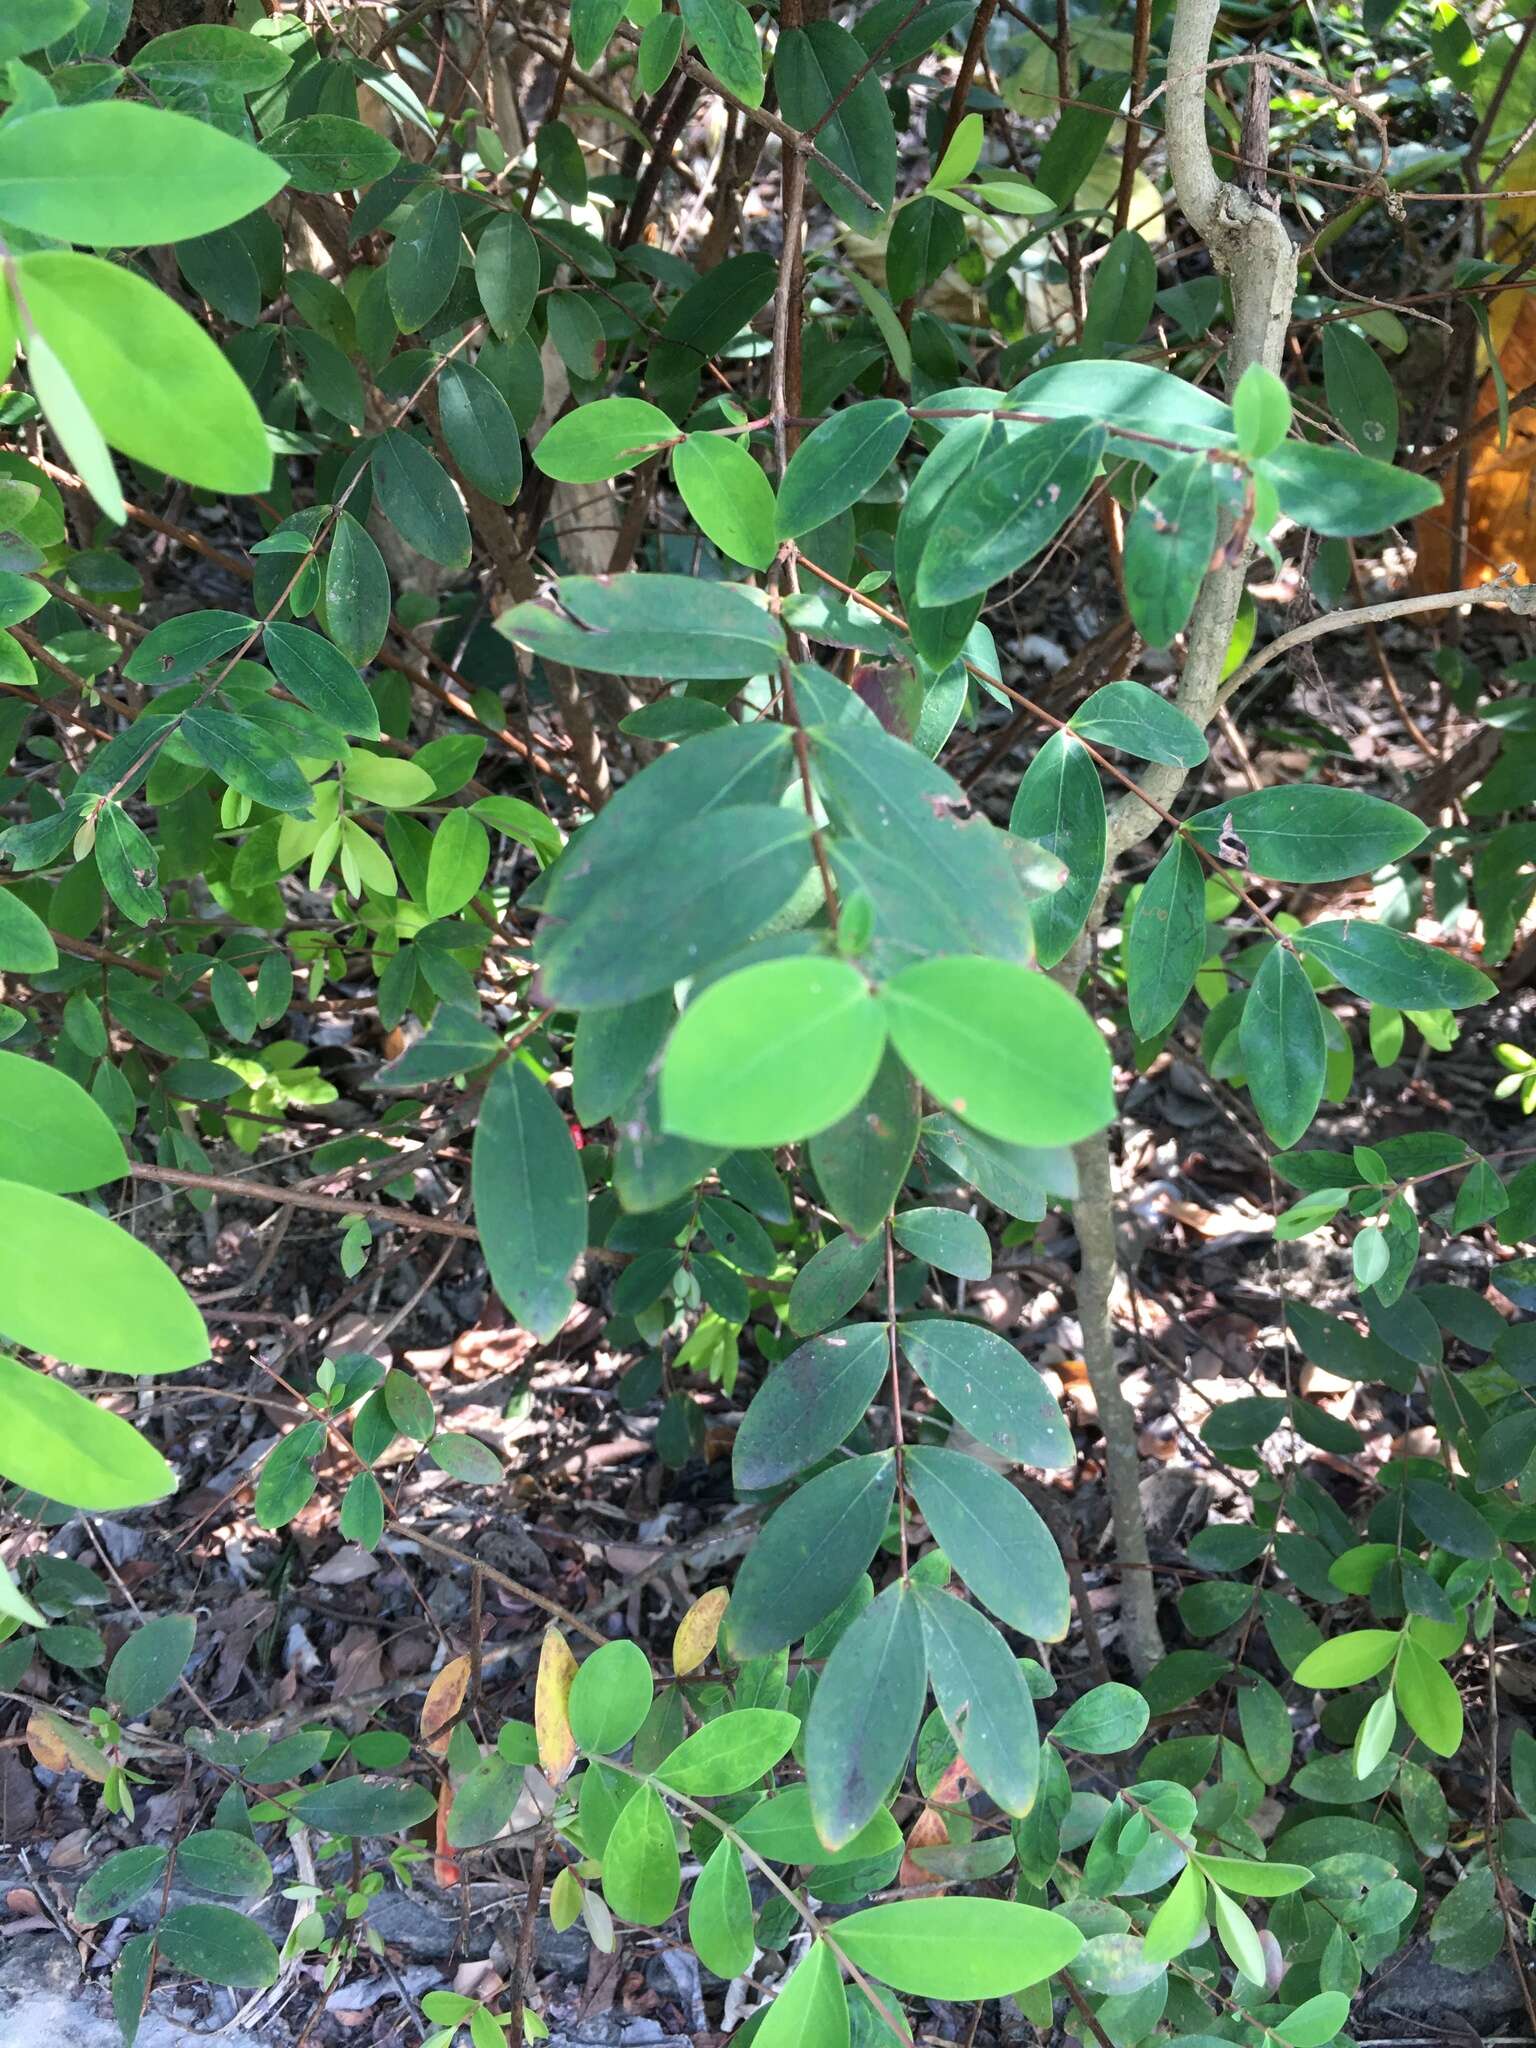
point(1060, 807)
point(1283, 1046)
point(1311, 833)
point(983, 1697)
point(809, 1404)
point(419, 501)
point(838, 462)
point(1387, 966)
point(809, 1555)
point(995, 521)
point(1339, 494)
point(995, 1540)
point(990, 1388)
point(530, 1198)
point(854, 1757)
point(1166, 940)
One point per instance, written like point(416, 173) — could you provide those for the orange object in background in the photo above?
point(1501, 485)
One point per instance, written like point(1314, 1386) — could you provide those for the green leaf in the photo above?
point(119, 1883)
point(853, 1757)
point(416, 497)
point(992, 523)
point(945, 1238)
point(223, 1861)
point(661, 42)
point(861, 1161)
point(1060, 808)
point(808, 1405)
point(826, 86)
point(423, 258)
point(1284, 1049)
point(52, 1134)
point(1448, 1520)
point(1178, 1920)
point(610, 1697)
point(829, 1284)
point(1266, 1728)
point(59, 1444)
point(148, 1665)
point(1340, 495)
point(772, 1054)
point(637, 625)
point(1361, 394)
point(641, 1873)
point(157, 387)
point(729, 1755)
point(78, 434)
point(1166, 940)
point(321, 677)
point(602, 439)
point(729, 497)
point(720, 1917)
point(1261, 410)
point(116, 173)
point(530, 1198)
point(357, 601)
point(983, 1697)
point(130, 1985)
point(1103, 1722)
point(481, 432)
point(218, 1945)
point(363, 1806)
point(330, 153)
point(1239, 1936)
point(780, 1830)
point(458, 863)
point(724, 36)
point(1311, 833)
point(811, 2011)
point(1317, 2020)
point(711, 885)
point(1139, 722)
point(838, 462)
point(1387, 966)
point(124, 1310)
point(382, 779)
point(809, 1555)
point(1005, 1048)
point(248, 757)
point(28, 25)
point(26, 944)
point(986, 1385)
point(1170, 541)
point(994, 1539)
point(1255, 1880)
point(958, 1948)
point(507, 278)
point(362, 1511)
point(1349, 1659)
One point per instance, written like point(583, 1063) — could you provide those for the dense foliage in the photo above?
point(751, 1037)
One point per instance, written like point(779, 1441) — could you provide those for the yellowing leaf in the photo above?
point(698, 1630)
point(551, 1702)
point(58, 1747)
point(440, 1708)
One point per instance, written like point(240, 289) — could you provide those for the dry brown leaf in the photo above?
point(699, 1630)
point(551, 1698)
